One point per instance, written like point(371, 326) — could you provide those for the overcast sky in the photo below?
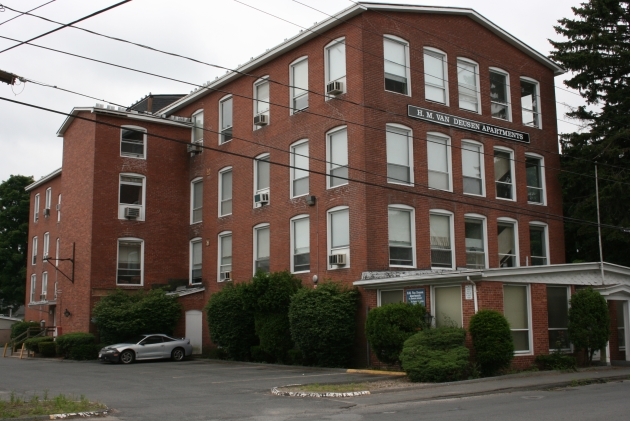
point(218, 31)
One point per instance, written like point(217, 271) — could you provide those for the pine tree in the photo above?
point(597, 54)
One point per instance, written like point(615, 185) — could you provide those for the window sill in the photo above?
point(301, 272)
point(537, 203)
point(398, 93)
point(436, 103)
point(401, 184)
point(134, 157)
point(300, 111)
point(223, 216)
point(223, 143)
point(195, 223)
point(470, 111)
point(435, 189)
point(473, 194)
point(403, 267)
point(508, 120)
point(505, 199)
point(335, 187)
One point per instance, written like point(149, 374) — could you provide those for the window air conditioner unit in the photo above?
point(58, 207)
point(261, 198)
point(261, 120)
point(225, 276)
point(337, 259)
point(335, 88)
point(132, 213)
point(194, 148)
point(47, 212)
point(45, 258)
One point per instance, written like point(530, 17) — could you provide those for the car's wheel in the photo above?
point(177, 354)
point(127, 357)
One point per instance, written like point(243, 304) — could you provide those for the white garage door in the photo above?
point(194, 329)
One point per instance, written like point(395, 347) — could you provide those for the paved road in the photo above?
point(214, 390)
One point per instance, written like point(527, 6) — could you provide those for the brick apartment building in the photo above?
point(410, 151)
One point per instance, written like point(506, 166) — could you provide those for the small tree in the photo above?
point(389, 326)
point(492, 341)
point(588, 321)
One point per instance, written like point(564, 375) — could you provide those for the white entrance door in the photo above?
point(194, 329)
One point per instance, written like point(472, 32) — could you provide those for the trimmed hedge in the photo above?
point(389, 326)
point(556, 361)
point(492, 341)
point(47, 349)
point(436, 355)
point(32, 344)
point(322, 324)
point(19, 328)
point(77, 346)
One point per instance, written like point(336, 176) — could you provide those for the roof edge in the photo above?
point(43, 180)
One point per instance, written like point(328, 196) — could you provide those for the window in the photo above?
point(401, 238)
point(504, 182)
point(34, 251)
point(261, 99)
point(468, 82)
point(299, 81)
point(195, 276)
point(530, 114)
point(46, 245)
point(300, 236)
point(225, 119)
point(436, 76)
point(500, 94)
point(507, 244)
point(133, 142)
point(261, 176)
point(225, 192)
point(534, 180)
point(448, 306)
point(59, 208)
point(225, 256)
point(337, 157)
point(197, 196)
point(57, 245)
point(300, 168)
point(130, 262)
point(42, 297)
point(396, 64)
point(472, 168)
point(475, 242)
point(261, 248)
point(558, 306)
point(538, 245)
point(517, 312)
point(48, 200)
point(36, 208)
point(390, 297)
point(131, 195)
point(440, 232)
point(197, 134)
point(335, 63)
point(339, 234)
point(33, 287)
point(438, 162)
point(399, 155)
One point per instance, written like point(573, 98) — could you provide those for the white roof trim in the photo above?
point(13, 319)
point(331, 22)
point(43, 180)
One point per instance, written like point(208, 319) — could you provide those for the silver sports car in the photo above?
point(147, 347)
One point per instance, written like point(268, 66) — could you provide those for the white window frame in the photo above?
point(59, 208)
point(48, 198)
point(542, 168)
point(292, 89)
point(34, 251)
point(435, 51)
point(255, 245)
point(329, 161)
point(292, 170)
point(339, 250)
point(477, 86)
point(379, 301)
point(192, 200)
point(261, 81)
point(257, 190)
point(219, 252)
point(433, 300)
point(57, 246)
point(513, 175)
point(220, 190)
point(406, 46)
point(539, 123)
point(36, 208)
point(33, 288)
point(195, 114)
point(449, 159)
point(196, 240)
point(529, 309)
point(482, 168)
point(509, 109)
point(515, 224)
point(220, 130)
point(46, 246)
point(443, 212)
point(326, 67)
point(142, 260)
point(485, 242)
point(292, 242)
point(44, 286)
point(412, 213)
point(410, 152)
point(144, 142)
point(543, 225)
point(568, 294)
point(122, 206)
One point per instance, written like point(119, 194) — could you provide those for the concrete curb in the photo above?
point(277, 392)
point(67, 416)
point(376, 372)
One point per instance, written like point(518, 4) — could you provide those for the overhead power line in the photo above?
point(23, 13)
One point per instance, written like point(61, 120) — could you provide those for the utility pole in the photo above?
point(600, 242)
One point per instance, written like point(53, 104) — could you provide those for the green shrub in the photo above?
point(436, 355)
point(322, 324)
point(32, 344)
point(295, 357)
point(492, 341)
point(20, 327)
point(231, 322)
point(76, 345)
point(122, 315)
point(556, 361)
point(389, 326)
point(588, 321)
point(84, 352)
point(47, 349)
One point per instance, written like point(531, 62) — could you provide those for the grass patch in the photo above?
point(20, 406)
point(335, 388)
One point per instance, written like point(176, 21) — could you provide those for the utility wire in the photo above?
point(22, 13)
point(532, 213)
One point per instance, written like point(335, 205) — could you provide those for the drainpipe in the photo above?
point(475, 295)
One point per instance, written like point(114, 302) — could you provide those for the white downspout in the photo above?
point(475, 295)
